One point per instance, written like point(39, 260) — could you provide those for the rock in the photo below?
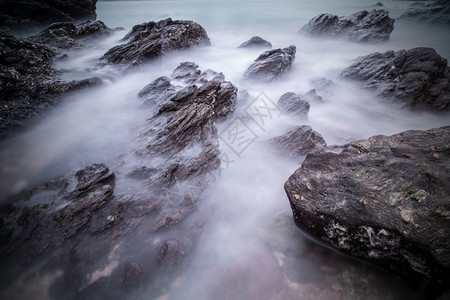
point(363, 26)
point(312, 96)
point(417, 78)
point(256, 42)
point(271, 64)
point(28, 82)
point(291, 103)
point(132, 274)
point(383, 200)
point(151, 40)
point(298, 142)
point(68, 36)
point(437, 12)
point(24, 16)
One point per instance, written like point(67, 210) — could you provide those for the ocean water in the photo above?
point(231, 260)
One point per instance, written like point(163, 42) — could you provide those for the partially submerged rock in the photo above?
point(291, 103)
point(417, 78)
point(271, 64)
point(151, 40)
point(363, 26)
point(384, 200)
point(256, 42)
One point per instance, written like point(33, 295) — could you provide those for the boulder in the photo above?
point(293, 104)
point(363, 26)
point(256, 42)
point(298, 141)
point(437, 12)
point(271, 64)
point(417, 78)
point(151, 40)
point(24, 16)
point(384, 200)
point(68, 36)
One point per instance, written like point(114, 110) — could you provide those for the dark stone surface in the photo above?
point(256, 42)
point(291, 103)
point(20, 16)
point(417, 78)
point(298, 141)
point(384, 200)
point(271, 64)
point(437, 12)
point(363, 26)
point(151, 40)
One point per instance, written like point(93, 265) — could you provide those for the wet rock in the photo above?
point(132, 274)
point(256, 42)
point(312, 96)
point(292, 103)
point(363, 26)
point(437, 12)
point(298, 142)
point(24, 16)
point(383, 200)
point(69, 36)
point(271, 64)
point(151, 40)
point(170, 253)
point(417, 78)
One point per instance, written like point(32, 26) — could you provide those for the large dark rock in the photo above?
point(69, 36)
point(291, 103)
point(151, 40)
point(384, 200)
point(298, 141)
point(417, 78)
point(20, 16)
point(437, 12)
point(256, 42)
point(363, 26)
point(28, 82)
point(271, 64)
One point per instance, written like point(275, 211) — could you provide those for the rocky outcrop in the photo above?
point(151, 40)
point(417, 78)
point(363, 26)
point(298, 141)
point(293, 104)
point(69, 36)
point(28, 82)
point(256, 42)
point(271, 64)
point(384, 200)
point(437, 12)
point(24, 16)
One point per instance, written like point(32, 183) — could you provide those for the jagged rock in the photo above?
point(362, 26)
point(151, 40)
point(299, 141)
point(271, 64)
point(291, 103)
point(384, 200)
point(437, 12)
point(69, 36)
point(24, 16)
point(417, 78)
point(256, 42)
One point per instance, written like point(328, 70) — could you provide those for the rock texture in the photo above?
point(291, 103)
point(437, 12)
point(363, 26)
point(22, 16)
point(384, 200)
point(87, 223)
point(28, 82)
point(298, 141)
point(417, 78)
point(271, 64)
point(151, 40)
point(256, 42)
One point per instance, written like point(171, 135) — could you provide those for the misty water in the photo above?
point(99, 124)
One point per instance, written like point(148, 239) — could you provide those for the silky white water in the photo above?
point(98, 125)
